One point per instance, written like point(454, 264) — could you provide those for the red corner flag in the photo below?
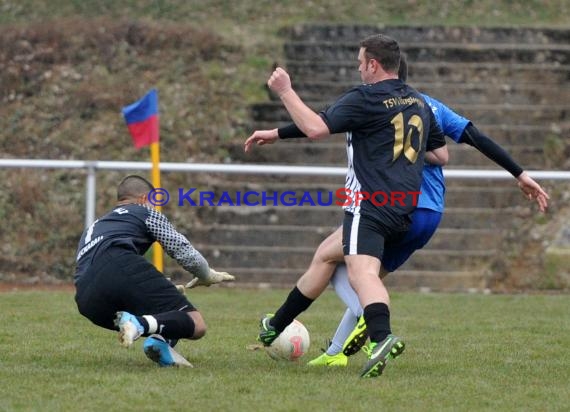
point(142, 119)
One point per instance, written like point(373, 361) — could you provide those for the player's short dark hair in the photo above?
point(384, 49)
point(133, 186)
point(403, 70)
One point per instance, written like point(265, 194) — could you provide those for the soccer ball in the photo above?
point(291, 344)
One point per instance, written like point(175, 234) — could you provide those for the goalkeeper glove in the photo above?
point(214, 277)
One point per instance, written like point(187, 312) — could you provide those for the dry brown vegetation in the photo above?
point(62, 85)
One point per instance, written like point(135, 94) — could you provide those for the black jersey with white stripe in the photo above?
point(387, 125)
point(135, 228)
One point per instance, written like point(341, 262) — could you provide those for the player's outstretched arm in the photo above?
point(532, 190)
point(176, 245)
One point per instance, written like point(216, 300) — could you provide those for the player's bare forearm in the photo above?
point(309, 122)
point(438, 156)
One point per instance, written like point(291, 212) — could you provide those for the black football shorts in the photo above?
point(363, 234)
point(123, 281)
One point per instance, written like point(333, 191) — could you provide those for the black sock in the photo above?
point(143, 323)
point(172, 325)
point(377, 318)
point(295, 303)
point(172, 342)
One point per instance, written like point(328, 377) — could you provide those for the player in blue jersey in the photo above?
point(387, 125)
point(352, 333)
point(118, 289)
point(424, 222)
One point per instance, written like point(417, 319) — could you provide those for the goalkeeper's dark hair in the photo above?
point(403, 70)
point(133, 186)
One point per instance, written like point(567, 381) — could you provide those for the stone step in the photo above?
point(485, 218)
point(436, 52)
point(331, 216)
point(299, 258)
point(465, 239)
point(334, 154)
point(460, 192)
point(202, 181)
point(452, 280)
point(331, 151)
point(484, 197)
point(465, 156)
point(489, 73)
point(206, 180)
point(273, 111)
point(443, 259)
point(467, 93)
point(514, 114)
point(421, 280)
point(429, 34)
point(311, 236)
point(262, 235)
point(503, 134)
point(217, 183)
point(322, 194)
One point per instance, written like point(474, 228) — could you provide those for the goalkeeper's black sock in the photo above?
point(144, 324)
point(170, 325)
point(295, 303)
point(377, 318)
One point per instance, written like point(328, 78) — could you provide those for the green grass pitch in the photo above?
point(464, 353)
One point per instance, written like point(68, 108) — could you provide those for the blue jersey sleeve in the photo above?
point(451, 123)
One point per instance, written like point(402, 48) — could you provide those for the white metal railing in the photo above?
point(91, 166)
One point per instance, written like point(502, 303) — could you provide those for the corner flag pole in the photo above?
point(142, 121)
point(157, 254)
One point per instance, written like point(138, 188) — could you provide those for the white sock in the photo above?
point(344, 328)
point(344, 290)
point(152, 323)
point(347, 294)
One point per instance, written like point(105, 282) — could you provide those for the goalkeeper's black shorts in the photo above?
point(124, 281)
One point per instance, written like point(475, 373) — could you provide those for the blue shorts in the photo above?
point(424, 225)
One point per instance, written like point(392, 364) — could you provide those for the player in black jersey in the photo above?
point(387, 124)
point(118, 289)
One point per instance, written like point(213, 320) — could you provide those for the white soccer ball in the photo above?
point(291, 344)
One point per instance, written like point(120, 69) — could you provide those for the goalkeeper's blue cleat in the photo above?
point(340, 359)
point(129, 327)
point(379, 353)
point(356, 339)
point(159, 351)
point(267, 334)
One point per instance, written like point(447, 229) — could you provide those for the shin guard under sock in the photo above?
point(377, 318)
point(295, 304)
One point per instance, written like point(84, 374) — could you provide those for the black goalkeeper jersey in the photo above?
point(135, 228)
point(387, 125)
